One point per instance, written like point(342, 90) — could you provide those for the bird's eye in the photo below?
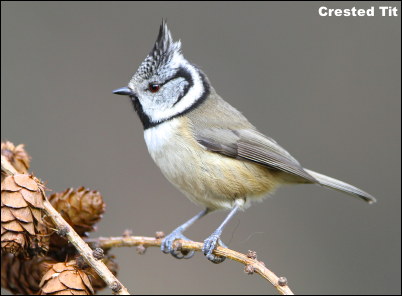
point(153, 87)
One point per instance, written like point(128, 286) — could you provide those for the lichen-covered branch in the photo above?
point(249, 260)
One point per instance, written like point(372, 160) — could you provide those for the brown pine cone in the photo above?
point(22, 227)
point(22, 276)
point(17, 156)
point(65, 279)
point(81, 208)
point(96, 280)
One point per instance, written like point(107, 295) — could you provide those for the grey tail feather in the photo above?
point(341, 186)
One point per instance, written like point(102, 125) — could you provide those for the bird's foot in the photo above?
point(210, 244)
point(167, 246)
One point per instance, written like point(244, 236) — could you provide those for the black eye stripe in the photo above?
point(146, 120)
point(181, 73)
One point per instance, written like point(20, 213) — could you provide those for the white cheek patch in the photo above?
point(158, 114)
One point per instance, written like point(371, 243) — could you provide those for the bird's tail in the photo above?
point(341, 186)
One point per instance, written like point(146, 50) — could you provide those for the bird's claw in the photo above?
point(182, 254)
point(178, 253)
point(216, 259)
point(210, 244)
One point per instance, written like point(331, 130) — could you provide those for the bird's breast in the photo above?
point(207, 178)
point(159, 136)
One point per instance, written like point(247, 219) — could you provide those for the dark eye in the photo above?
point(153, 87)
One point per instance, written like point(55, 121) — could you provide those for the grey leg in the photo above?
point(213, 240)
point(167, 243)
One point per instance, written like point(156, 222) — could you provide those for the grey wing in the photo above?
point(249, 144)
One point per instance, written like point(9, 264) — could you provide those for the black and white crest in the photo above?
point(161, 55)
point(180, 86)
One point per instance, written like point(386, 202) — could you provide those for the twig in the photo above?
point(84, 250)
point(254, 265)
point(251, 263)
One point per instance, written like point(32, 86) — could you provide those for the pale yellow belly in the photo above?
point(207, 178)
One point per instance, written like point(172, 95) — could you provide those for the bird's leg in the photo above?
point(167, 242)
point(213, 240)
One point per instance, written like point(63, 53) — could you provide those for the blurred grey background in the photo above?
point(326, 88)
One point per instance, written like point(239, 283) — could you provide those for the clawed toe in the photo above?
point(215, 259)
point(182, 254)
point(167, 246)
point(210, 245)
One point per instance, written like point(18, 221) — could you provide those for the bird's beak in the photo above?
point(124, 91)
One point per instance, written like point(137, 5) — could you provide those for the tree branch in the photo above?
point(252, 264)
point(84, 250)
point(249, 260)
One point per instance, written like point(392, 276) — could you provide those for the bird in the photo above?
point(205, 147)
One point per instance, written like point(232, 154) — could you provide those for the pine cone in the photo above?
point(65, 279)
point(17, 156)
point(96, 280)
point(22, 276)
point(22, 228)
point(81, 208)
